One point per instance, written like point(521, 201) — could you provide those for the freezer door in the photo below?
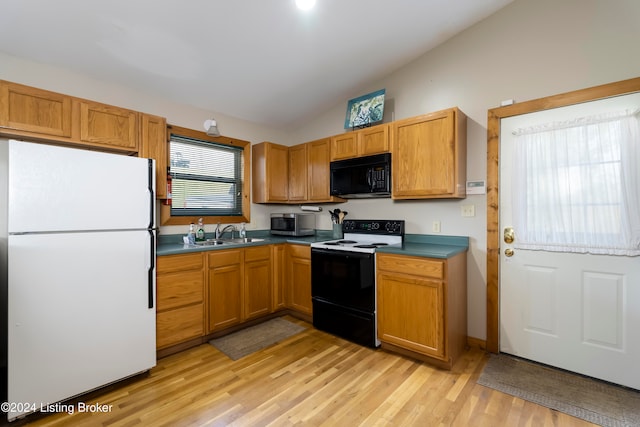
point(79, 314)
point(60, 189)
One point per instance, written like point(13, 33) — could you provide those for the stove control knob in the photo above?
point(392, 227)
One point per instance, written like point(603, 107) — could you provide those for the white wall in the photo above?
point(58, 80)
point(530, 49)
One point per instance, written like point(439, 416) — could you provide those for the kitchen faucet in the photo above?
point(219, 232)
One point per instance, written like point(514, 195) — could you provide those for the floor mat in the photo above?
point(586, 398)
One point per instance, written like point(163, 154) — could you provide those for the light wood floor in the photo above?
point(311, 379)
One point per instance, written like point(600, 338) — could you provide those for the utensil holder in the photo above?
point(337, 231)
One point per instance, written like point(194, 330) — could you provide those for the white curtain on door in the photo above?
point(576, 185)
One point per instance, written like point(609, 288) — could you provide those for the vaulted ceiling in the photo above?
point(260, 60)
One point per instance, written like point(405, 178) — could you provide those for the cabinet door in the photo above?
point(108, 126)
point(257, 288)
point(411, 313)
point(319, 153)
point(373, 140)
point(427, 160)
point(299, 278)
point(298, 172)
point(344, 146)
point(225, 289)
point(153, 144)
point(34, 110)
point(270, 173)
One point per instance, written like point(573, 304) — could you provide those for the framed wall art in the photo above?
point(365, 110)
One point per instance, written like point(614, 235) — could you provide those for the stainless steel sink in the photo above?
point(211, 242)
point(216, 242)
point(244, 240)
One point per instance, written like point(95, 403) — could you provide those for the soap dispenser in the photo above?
point(192, 234)
point(200, 232)
point(243, 231)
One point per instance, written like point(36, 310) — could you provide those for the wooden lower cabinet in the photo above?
point(257, 282)
point(422, 305)
point(180, 299)
point(225, 288)
point(299, 278)
point(201, 294)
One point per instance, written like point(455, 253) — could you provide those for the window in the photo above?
point(208, 178)
point(576, 189)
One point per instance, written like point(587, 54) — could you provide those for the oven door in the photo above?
point(343, 278)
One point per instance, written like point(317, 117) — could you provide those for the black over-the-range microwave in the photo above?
point(362, 177)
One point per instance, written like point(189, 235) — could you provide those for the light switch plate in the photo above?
point(468, 210)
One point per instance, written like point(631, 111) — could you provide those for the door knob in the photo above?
point(508, 252)
point(509, 235)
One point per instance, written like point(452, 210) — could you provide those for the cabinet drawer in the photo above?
point(179, 289)
point(257, 253)
point(222, 258)
point(175, 326)
point(411, 265)
point(172, 263)
point(300, 251)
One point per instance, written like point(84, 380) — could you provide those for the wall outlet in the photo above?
point(468, 210)
point(435, 227)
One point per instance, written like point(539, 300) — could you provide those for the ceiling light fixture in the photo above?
point(211, 126)
point(305, 4)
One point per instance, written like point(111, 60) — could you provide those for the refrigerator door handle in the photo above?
point(151, 274)
point(152, 195)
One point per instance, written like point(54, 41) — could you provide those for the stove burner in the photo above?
point(379, 244)
point(342, 242)
point(365, 246)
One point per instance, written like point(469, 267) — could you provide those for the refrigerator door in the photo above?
point(63, 189)
point(79, 315)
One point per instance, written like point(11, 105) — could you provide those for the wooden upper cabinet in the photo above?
point(106, 125)
point(363, 142)
point(373, 140)
point(154, 145)
point(344, 146)
point(28, 109)
point(53, 117)
point(318, 159)
point(428, 155)
point(298, 173)
point(270, 173)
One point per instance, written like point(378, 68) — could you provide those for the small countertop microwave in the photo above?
point(293, 224)
point(362, 177)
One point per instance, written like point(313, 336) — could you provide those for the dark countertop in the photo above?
point(429, 246)
point(172, 244)
point(424, 245)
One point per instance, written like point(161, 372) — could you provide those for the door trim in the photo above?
point(493, 166)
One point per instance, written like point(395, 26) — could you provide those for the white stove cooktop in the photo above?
point(374, 234)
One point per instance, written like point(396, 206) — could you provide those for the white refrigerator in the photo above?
point(77, 259)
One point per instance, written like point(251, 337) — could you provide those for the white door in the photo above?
point(578, 312)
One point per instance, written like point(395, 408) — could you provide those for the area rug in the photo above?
point(254, 338)
point(592, 400)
